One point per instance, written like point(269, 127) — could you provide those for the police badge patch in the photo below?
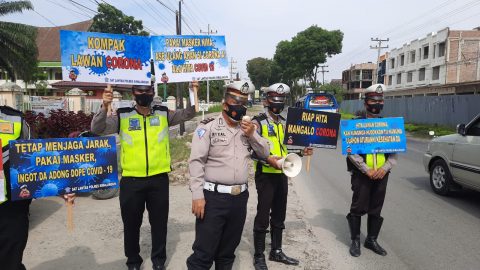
point(134, 124)
point(201, 132)
point(154, 121)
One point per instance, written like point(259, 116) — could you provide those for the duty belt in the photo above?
point(233, 189)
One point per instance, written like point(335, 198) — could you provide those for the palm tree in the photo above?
point(18, 50)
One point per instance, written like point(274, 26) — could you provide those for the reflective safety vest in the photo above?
point(275, 133)
point(144, 141)
point(380, 160)
point(11, 124)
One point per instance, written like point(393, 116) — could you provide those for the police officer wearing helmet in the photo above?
point(145, 160)
point(218, 167)
point(270, 181)
point(369, 182)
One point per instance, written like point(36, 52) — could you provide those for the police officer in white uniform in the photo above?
point(218, 167)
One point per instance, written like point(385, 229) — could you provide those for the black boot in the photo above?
point(373, 227)
point(354, 225)
point(259, 258)
point(276, 254)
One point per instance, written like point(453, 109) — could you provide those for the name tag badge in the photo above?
point(134, 124)
point(154, 121)
point(6, 128)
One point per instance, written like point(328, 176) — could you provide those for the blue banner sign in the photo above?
point(373, 135)
point(311, 128)
point(51, 167)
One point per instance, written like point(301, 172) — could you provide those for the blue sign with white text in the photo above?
point(51, 167)
point(373, 135)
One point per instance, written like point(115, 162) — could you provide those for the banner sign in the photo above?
point(51, 167)
point(46, 105)
point(187, 58)
point(311, 128)
point(105, 58)
point(373, 135)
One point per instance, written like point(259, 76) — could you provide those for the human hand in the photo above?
point(69, 198)
point(272, 161)
point(247, 127)
point(308, 151)
point(198, 208)
point(107, 97)
point(371, 173)
point(379, 174)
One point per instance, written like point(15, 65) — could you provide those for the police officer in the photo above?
point(218, 179)
point(369, 182)
point(13, 214)
point(145, 160)
point(270, 181)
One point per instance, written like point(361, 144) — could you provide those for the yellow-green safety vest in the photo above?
point(380, 160)
point(10, 129)
point(274, 132)
point(144, 141)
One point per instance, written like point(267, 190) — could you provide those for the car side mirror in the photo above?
point(461, 129)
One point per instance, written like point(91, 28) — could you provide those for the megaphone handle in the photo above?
point(308, 163)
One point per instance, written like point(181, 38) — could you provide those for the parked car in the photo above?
point(454, 160)
point(318, 102)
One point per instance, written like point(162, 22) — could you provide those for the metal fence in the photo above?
point(440, 110)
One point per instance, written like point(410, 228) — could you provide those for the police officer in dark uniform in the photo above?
point(369, 182)
point(218, 167)
point(270, 181)
point(13, 214)
point(145, 155)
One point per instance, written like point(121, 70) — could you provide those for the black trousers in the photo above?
point(368, 195)
point(135, 194)
point(13, 233)
point(218, 234)
point(272, 190)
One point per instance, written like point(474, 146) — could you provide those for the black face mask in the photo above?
point(236, 112)
point(374, 108)
point(144, 100)
point(276, 107)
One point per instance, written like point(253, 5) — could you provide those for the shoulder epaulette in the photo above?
point(10, 111)
point(207, 120)
point(260, 117)
point(160, 108)
point(125, 109)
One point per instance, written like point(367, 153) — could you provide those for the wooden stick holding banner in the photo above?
point(309, 158)
point(194, 86)
point(69, 201)
point(109, 108)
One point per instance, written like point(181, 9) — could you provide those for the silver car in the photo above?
point(454, 160)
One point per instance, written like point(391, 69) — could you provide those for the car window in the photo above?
point(321, 101)
point(474, 130)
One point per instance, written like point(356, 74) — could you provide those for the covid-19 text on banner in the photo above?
point(105, 58)
point(188, 58)
point(51, 167)
point(373, 135)
point(311, 128)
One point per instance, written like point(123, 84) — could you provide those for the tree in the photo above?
point(334, 89)
point(18, 49)
point(112, 20)
point(259, 70)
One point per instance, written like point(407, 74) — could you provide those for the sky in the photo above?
point(253, 28)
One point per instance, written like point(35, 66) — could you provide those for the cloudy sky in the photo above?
point(254, 27)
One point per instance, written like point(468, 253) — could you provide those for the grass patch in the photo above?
point(347, 116)
point(178, 148)
point(213, 109)
point(421, 130)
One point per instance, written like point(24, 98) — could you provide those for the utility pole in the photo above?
point(232, 68)
point(323, 73)
point(209, 32)
point(179, 85)
point(378, 47)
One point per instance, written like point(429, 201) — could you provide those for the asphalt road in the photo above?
point(421, 229)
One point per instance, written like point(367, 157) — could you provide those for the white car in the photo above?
point(454, 160)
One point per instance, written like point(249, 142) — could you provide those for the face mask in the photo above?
point(236, 112)
point(144, 100)
point(374, 108)
point(276, 107)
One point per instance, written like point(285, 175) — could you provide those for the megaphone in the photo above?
point(291, 165)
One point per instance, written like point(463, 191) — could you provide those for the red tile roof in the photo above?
point(48, 40)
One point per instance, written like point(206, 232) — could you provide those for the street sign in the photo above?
point(203, 107)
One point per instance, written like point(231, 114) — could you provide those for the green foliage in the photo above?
point(112, 20)
point(346, 116)
point(216, 90)
point(18, 49)
point(213, 109)
point(333, 89)
point(263, 72)
point(178, 148)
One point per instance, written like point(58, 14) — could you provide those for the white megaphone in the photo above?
point(291, 165)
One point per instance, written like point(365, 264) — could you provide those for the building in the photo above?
point(357, 78)
point(442, 63)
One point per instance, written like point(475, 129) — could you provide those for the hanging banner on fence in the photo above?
point(105, 58)
point(311, 128)
point(46, 104)
point(51, 167)
point(187, 58)
point(373, 135)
